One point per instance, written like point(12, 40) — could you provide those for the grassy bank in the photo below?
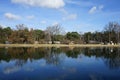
point(56, 45)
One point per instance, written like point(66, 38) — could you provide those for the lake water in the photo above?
point(59, 63)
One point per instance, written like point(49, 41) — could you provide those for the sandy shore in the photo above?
point(56, 45)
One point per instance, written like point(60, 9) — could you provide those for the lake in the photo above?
point(59, 63)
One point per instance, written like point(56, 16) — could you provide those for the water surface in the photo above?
point(59, 63)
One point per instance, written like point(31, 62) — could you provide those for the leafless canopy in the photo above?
point(54, 30)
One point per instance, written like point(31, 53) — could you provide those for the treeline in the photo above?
point(55, 34)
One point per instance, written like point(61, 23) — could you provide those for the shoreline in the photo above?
point(57, 45)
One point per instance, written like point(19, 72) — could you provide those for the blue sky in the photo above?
point(72, 15)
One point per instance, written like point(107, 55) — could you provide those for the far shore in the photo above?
point(57, 45)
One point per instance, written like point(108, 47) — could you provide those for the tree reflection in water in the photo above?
point(55, 56)
point(114, 61)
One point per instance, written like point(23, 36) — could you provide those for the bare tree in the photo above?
point(51, 31)
point(113, 28)
point(21, 27)
point(117, 30)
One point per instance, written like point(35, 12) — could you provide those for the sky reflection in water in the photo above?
point(59, 63)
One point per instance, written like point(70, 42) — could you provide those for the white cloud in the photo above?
point(95, 9)
point(30, 17)
point(80, 3)
point(70, 17)
point(11, 16)
point(42, 3)
point(43, 22)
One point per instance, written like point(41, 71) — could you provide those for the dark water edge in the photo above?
point(59, 63)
